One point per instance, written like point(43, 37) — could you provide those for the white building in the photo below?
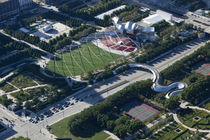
point(24, 4)
point(130, 27)
point(47, 28)
point(158, 17)
point(166, 16)
point(120, 28)
point(153, 19)
point(115, 20)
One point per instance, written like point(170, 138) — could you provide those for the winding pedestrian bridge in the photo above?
point(172, 89)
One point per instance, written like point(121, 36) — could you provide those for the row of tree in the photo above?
point(90, 12)
point(81, 31)
point(62, 18)
point(27, 20)
point(22, 36)
point(23, 51)
point(53, 45)
point(186, 64)
point(129, 13)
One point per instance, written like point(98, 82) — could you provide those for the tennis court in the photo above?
point(204, 69)
point(140, 111)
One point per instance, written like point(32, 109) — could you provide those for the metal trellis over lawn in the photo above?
point(76, 61)
point(66, 65)
point(85, 57)
point(95, 54)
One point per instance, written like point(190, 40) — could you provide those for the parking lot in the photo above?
point(67, 103)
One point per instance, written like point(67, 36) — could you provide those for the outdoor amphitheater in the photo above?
point(91, 53)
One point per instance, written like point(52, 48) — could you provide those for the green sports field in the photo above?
point(86, 58)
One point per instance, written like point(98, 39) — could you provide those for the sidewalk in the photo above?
point(114, 137)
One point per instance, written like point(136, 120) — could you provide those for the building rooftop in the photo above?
point(153, 19)
point(115, 20)
point(47, 28)
point(149, 29)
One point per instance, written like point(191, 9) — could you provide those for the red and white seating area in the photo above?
point(118, 43)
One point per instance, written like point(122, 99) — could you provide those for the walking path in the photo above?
point(112, 136)
point(183, 105)
point(156, 132)
point(27, 88)
point(155, 121)
point(12, 85)
point(191, 129)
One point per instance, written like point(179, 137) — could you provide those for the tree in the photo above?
point(110, 125)
point(121, 130)
point(5, 101)
point(134, 126)
point(172, 102)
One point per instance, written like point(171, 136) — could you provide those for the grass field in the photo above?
point(19, 81)
point(168, 133)
point(81, 60)
point(188, 120)
point(206, 105)
point(7, 88)
point(190, 134)
point(22, 81)
point(60, 130)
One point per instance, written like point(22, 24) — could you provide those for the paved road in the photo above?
point(131, 76)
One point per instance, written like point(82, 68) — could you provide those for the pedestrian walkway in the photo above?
point(155, 121)
point(184, 105)
point(27, 88)
point(191, 129)
point(112, 136)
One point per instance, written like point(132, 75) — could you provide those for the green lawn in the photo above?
point(206, 105)
point(6, 87)
point(22, 81)
point(168, 133)
point(190, 134)
point(81, 60)
point(187, 119)
point(60, 130)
